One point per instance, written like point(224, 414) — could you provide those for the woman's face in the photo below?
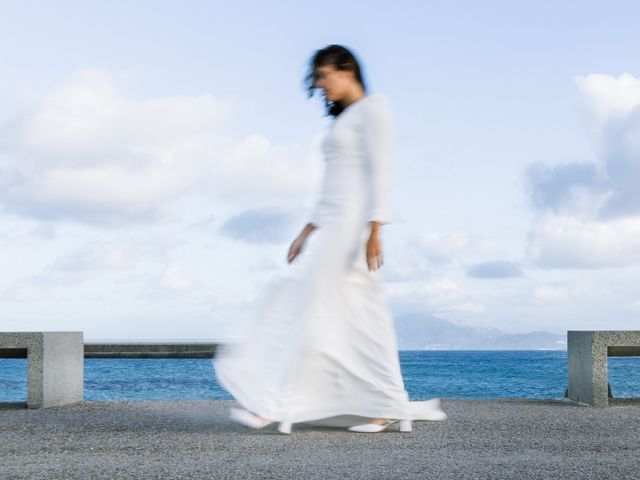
point(333, 82)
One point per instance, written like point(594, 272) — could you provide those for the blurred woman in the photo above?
point(322, 346)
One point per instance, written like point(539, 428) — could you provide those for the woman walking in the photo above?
point(322, 346)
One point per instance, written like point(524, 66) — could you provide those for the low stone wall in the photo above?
point(138, 349)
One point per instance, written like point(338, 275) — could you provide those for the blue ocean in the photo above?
point(427, 374)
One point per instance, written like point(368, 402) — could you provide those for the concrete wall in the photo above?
point(150, 349)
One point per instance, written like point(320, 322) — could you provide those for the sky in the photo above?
point(157, 158)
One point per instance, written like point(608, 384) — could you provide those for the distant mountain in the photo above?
point(418, 331)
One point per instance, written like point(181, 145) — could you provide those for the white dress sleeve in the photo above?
point(378, 151)
point(319, 210)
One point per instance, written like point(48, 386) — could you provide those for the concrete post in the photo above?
point(587, 362)
point(55, 365)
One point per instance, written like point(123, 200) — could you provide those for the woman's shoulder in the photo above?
point(377, 98)
point(377, 104)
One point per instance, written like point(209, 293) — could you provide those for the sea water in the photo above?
point(426, 373)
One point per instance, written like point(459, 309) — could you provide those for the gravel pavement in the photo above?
point(481, 439)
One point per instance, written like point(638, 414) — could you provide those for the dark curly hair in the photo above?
point(342, 59)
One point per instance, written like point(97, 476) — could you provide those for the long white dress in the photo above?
point(322, 347)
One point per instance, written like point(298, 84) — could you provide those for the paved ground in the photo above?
point(482, 439)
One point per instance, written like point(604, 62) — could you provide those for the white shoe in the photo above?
point(284, 427)
point(245, 417)
point(434, 413)
point(405, 426)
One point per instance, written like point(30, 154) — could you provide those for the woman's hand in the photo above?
point(374, 250)
point(296, 246)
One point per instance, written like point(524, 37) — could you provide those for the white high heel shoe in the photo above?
point(248, 419)
point(434, 411)
point(405, 426)
point(284, 427)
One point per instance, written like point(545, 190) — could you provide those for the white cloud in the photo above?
point(174, 278)
point(574, 189)
point(103, 257)
point(438, 296)
point(548, 293)
point(421, 256)
point(614, 105)
point(458, 246)
point(607, 96)
point(170, 283)
point(26, 291)
point(589, 214)
point(115, 252)
point(567, 242)
point(39, 287)
point(89, 154)
point(404, 259)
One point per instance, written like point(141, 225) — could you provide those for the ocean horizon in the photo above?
point(426, 373)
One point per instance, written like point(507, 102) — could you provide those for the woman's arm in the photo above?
point(377, 135)
point(378, 139)
point(321, 207)
point(298, 243)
